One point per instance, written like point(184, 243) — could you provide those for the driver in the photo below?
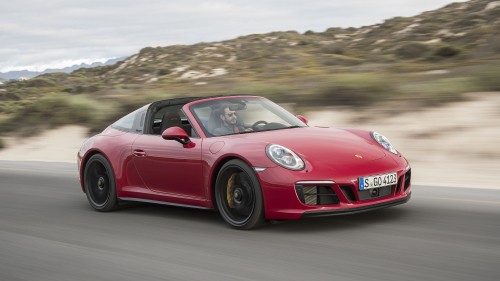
point(228, 125)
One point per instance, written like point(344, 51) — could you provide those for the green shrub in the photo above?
point(2, 144)
point(334, 30)
point(82, 89)
point(447, 51)
point(437, 91)
point(335, 49)
point(57, 110)
point(426, 28)
point(340, 60)
point(412, 50)
point(38, 82)
point(466, 22)
point(163, 71)
point(487, 79)
point(493, 14)
point(493, 44)
point(394, 23)
point(353, 90)
point(480, 34)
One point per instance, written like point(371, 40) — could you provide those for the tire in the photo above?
point(100, 185)
point(239, 196)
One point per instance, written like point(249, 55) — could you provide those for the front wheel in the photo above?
point(238, 195)
point(100, 186)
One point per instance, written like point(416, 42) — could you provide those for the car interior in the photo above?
point(209, 118)
point(172, 116)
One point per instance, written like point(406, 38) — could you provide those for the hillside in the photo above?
point(416, 61)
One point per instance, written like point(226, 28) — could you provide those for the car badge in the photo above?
point(358, 156)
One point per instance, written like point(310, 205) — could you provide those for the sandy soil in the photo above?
point(454, 145)
point(59, 145)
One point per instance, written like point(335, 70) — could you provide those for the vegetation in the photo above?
point(428, 59)
point(447, 51)
point(412, 50)
point(487, 78)
point(353, 90)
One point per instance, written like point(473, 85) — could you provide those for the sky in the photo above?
point(36, 35)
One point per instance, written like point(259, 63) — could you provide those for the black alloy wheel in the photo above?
point(239, 196)
point(99, 182)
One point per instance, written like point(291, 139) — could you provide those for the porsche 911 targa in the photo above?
point(244, 156)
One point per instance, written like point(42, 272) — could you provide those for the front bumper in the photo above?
point(349, 211)
point(283, 198)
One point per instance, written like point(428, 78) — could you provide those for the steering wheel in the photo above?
point(256, 125)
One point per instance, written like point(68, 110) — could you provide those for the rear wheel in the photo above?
point(239, 196)
point(100, 185)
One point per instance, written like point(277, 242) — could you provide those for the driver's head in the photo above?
point(228, 115)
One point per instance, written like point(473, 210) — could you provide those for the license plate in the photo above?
point(377, 181)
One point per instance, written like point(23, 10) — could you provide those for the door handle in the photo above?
point(139, 153)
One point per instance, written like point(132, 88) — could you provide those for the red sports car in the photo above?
point(244, 156)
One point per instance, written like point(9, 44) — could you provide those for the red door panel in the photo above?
point(167, 167)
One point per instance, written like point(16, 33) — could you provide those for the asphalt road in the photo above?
point(49, 232)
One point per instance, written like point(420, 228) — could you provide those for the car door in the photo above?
point(167, 167)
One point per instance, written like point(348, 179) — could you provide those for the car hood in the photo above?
point(328, 147)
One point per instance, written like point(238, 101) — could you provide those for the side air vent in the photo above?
point(407, 179)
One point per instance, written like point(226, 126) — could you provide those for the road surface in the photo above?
point(49, 232)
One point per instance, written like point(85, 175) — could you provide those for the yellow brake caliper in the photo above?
point(229, 188)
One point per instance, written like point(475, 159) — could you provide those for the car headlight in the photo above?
point(284, 157)
point(383, 141)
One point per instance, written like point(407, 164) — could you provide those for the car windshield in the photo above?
point(239, 115)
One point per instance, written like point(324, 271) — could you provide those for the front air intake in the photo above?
point(316, 195)
point(348, 192)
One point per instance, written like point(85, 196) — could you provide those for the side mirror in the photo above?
point(302, 118)
point(177, 134)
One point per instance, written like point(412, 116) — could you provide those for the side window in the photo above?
point(207, 117)
point(203, 114)
point(126, 123)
